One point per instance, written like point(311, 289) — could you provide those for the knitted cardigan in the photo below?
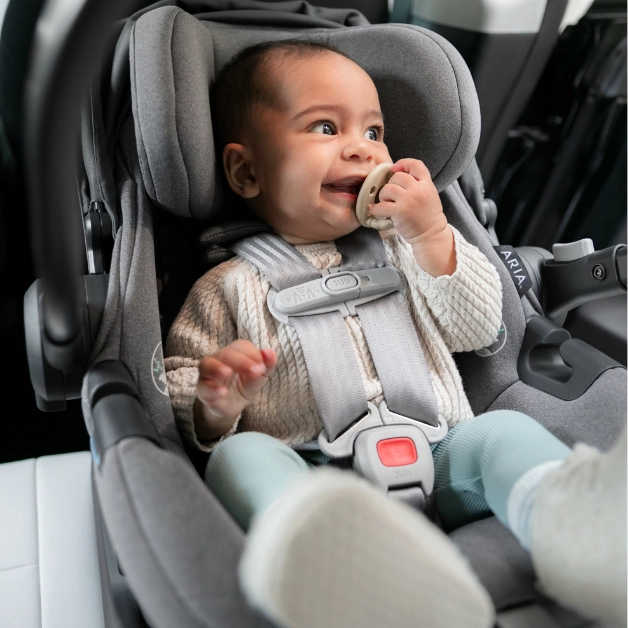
point(460, 312)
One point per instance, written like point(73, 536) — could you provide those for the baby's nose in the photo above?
point(359, 149)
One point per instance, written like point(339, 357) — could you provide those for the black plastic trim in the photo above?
point(554, 362)
point(53, 385)
point(46, 380)
point(109, 378)
point(566, 285)
point(117, 410)
point(533, 258)
point(620, 266)
point(96, 287)
point(98, 238)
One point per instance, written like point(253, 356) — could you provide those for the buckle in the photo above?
point(335, 290)
point(433, 434)
point(390, 450)
point(342, 447)
point(377, 416)
point(394, 457)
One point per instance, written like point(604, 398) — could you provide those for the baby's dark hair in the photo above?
point(242, 85)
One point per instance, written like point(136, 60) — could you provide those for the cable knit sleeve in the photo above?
point(467, 305)
point(203, 326)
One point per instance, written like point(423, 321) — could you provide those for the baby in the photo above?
point(300, 127)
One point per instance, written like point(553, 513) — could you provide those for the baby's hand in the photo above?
point(228, 381)
point(410, 199)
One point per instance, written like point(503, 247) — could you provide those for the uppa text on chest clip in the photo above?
point(369, 193)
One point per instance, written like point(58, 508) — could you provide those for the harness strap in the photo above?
point(280, 262)
point(362, 249)
point(334, 376)
point(391, 336)
point(329, 357)
point(399, 359)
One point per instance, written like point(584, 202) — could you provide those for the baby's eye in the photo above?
point(372, 134)
point(326, 128)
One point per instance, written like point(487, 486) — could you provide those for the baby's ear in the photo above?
point(236, 159)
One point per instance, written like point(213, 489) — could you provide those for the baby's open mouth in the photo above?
point(348, 185)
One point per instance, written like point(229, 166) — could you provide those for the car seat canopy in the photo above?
point(426, 93)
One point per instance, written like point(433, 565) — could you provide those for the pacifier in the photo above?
point(369, 193)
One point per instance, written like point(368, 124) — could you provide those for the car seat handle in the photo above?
point(117, 408)
point(568, 284)
point(69, 40)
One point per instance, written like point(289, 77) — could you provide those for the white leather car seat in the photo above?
point(49, 574)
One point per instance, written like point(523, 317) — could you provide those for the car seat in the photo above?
point(148, 154)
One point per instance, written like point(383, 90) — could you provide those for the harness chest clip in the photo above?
point(335, 290)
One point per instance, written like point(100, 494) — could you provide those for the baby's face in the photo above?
point(310, 155)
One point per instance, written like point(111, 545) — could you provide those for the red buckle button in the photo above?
point(396, 452)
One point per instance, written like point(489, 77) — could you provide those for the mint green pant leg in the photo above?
point(248, 471)
point(481, 459)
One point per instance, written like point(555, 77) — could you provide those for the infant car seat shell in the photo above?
point(174, 540)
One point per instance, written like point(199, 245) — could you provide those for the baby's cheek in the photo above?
point(384, 155)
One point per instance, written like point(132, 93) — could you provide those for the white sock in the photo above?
point(579, 533)
point(334, 551)
point(522, 499)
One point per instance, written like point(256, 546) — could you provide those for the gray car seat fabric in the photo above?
point(174, 58)
point(506, 571)
point(596, 417)
point(428, 99)
point(176, 544)
point(180, 179)
point(129, 331)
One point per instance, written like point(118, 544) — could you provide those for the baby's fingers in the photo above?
point(414, 167)
point(214, 372)
point(213, 381)
point(246, 367)
point(247, 348)
point(270, 360)
point(249, 384)
point(211, 396)
point(383, 209)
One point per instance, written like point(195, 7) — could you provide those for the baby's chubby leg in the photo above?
point(567, 508)
point(248, 471)
point(480, 465)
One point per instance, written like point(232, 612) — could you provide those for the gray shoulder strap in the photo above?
point(391, 336)
point(329, 357)
point(399, 358)
point(333, 370)
point(280, 262)
point(362, 249)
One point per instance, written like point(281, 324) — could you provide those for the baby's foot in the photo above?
point(335, 552)
point(579, 533)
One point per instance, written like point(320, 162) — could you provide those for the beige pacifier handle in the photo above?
point(369, 193)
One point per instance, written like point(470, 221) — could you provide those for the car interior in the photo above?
point(108, 216)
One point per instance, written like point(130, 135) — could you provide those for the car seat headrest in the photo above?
point(426, 93)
